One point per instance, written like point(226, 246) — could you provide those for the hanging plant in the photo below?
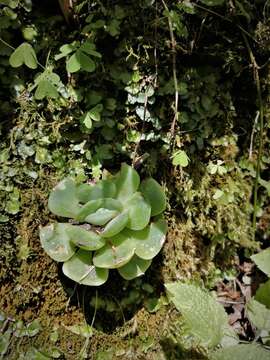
point(117, 224)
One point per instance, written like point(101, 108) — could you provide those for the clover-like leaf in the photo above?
point(134, 268)
point(101, 216)
point(55, 241)
point(118, 251)
point(127, 182)
point(88, 208)
point(150, 240)
point(63, 200)
point(81, 269)
point(80, 60)
point(115, 225)
point(85, 239)
point(155, 195)
point(103, 189)
point(139, 212)
point(24, 54)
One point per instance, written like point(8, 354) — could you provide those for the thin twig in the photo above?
point(176, 100)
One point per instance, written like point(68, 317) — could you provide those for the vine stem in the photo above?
point(261, 122)
point(176, 100)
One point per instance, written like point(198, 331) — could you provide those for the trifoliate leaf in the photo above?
point(241, 352)
point(134, 268)
point(150, 240)
point(84, 239)
point(139, 212)
point(55, 241)
point(127, 182)
point(154, 194)
point(205, 318)
point(115, 225)
point(81, 269)
point(63, 200)
point(119, 250)
point(24, 54)
point(262, 260)
point(89, 48)
point(80, 61)
point(259, 315)
point(94, 113)
point(73, 63)
point(47, 84)
point(180, 158)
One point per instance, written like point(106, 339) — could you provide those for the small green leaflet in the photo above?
point(93, 114)
point(24, 54)
point(180, 158)
point(46, 85)
point(262, 260)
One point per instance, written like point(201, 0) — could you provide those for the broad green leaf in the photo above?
point(55, 241)
point(119, 250)
point(112, 204)
point(101, 216)
point(85, 239)
point(115, 225)
point(63, 200)
point(205, 318)
point(127, 182)
point(103, 189)
point(139, 212)
point(80, 268)
point(150, 240)
point(88, 208)
point(89, 48)
point(180, 158)
point(241, 352)
point(65, 50)
point(134, 268)
point(24, 54)
point(262, 260)
point(263, 294)
point(259, 315)
point(154, 194)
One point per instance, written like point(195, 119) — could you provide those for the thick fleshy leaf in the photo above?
point(85, 239)
point(115, 225)
point(88, 208)
point(101, 216)
point(112, 204)
point(154, 194)
point(127, 182)
point(81, 269)
point(139, 212)
point(134, 268)
point(55, 241)
point(118, 251)
point(150, 240)
point(63, 200)
point(103, 189)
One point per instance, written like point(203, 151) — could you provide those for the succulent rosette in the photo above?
point(116, 224)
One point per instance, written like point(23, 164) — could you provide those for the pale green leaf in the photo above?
point(155, 195)
point(259, 315)
point(88, 208)
point(139, 212)
point(134, 268)
point(101, 216)
point(205, 318)
point(85, 239)
point(119, 250)
point(180, 158)
point(24, 54)
point(55, 241)
point(263, 294)
point(46, 89)
point(63, 200)
point(127, 182)
point(103, 189)
point(81, 269)
point(241, 352)
point(262, 260)
point(73, 64)
point(115, 225)
point(86, 120)
point(94, 113)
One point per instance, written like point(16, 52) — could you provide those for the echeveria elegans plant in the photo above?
point(116, 224)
